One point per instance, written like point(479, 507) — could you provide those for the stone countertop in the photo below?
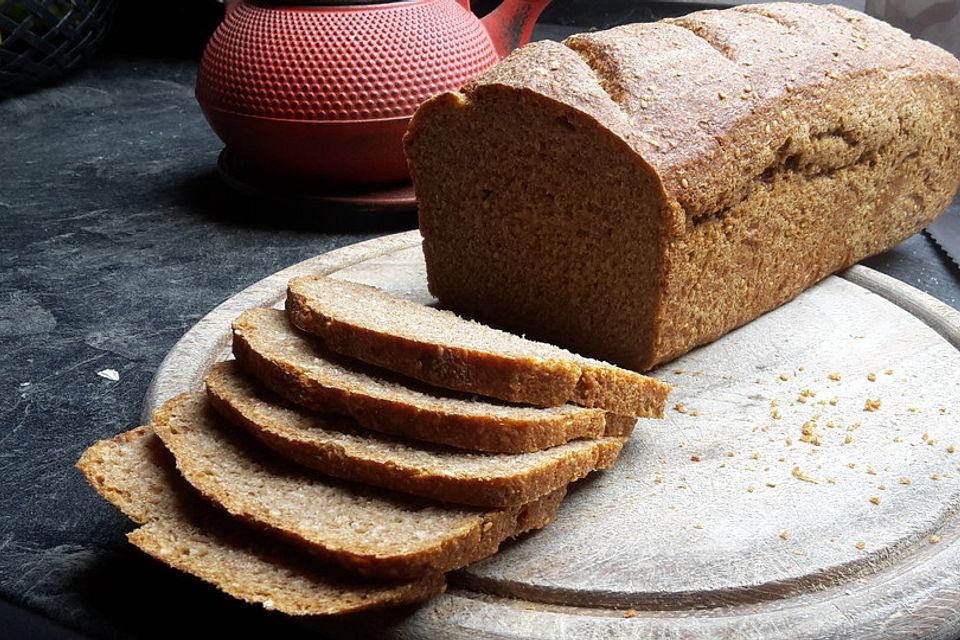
point(117, 236)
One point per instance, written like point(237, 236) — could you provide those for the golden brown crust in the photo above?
point(135, 473)
point(372, 532)
point(336, 446)
point(444, 350)
point(770, 145)
point(299, 374)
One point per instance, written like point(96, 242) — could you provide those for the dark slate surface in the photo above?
point(115, 237)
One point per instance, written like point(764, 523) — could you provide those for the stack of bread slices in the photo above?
point(360, 446)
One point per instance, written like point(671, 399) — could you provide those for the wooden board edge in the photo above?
point(206, 342)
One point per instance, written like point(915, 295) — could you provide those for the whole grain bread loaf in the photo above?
point(337, 446)
point(632, 193)
point(442, 349)
point(300, 370)
point(370, 531)
point(137, 475)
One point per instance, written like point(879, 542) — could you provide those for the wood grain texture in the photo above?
point(741, 513)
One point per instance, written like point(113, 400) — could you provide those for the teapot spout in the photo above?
point(511, 24)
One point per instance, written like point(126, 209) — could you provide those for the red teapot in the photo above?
point(325, 90)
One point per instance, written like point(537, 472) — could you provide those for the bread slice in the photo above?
point(336, 446)
point(135, 473)
point(440, 348)
point(362, 529)
point(297, 368)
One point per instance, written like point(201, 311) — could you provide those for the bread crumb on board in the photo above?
point(934, 539)
point(875, 499)
point(861, 545)
point(872, 405)
point(630, 613)
point(800, 475)
point(784, 535)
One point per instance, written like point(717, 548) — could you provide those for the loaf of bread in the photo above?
point(337, 446)
point(444, 350)
point(362, 529)
point(300, 370)
point(136, 474)
point(630, 194)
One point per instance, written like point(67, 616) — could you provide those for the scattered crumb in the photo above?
point(833, 376)
point(698, 525)
point(807, 393)
point(934, 539)
point(751, 489)
point(758, 381)
point(109, 374)
point(925, 436)
point(872, 377)
point(800, 475)
point(852, 465)
point(694, 458)
point(756, 455)
point(905, 480)
point(888, 372)
point(698, 372)
point(657, 479)
point(784, 535)
point(774, 403)
point(833, 402)
point(912, 409)
point(802, 399)
point(848, 439)
point(882, 487)
point(871, 471)
point(935, 476)
point(951, 448)
point(677, 372)
point(931, 441)
point(731, 454)
point(861, 545)
point(784, 377)
point(871, 405)
point(772, 485)
point(897, 439)
point(801, 368)
point(831, 480)
point(797, 552)
point(775, 414)
point(683, 485)
point(781, 459)
point(875, 499)
point(630, 613)
point(694, 413)
point(679, 408)
point(943, 411)
point(789, 442)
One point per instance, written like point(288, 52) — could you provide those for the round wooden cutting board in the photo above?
point(803, 484)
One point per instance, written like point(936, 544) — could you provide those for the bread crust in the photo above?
point(442, 349)
point(338, 447)
point(136, 474)
point(362, 529)
point(295, 368)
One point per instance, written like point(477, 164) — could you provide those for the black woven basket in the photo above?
point(44, 39)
